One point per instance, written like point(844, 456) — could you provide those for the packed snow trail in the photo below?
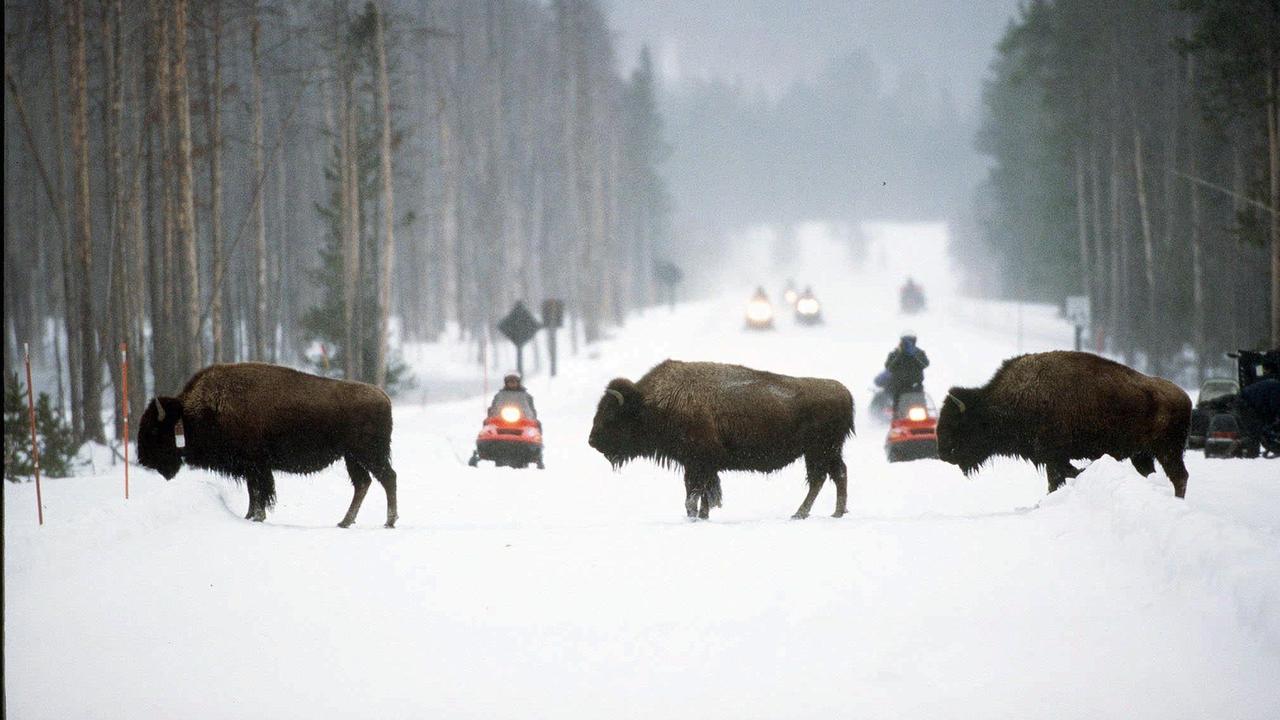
point(580, 592)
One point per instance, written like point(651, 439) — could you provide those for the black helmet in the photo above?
point(512, 376)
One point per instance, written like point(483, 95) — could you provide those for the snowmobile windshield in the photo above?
point(1214, 389)
point(517, 398)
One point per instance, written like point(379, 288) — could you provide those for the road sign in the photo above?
point(1078, 310)
point(552, 313)
point(519, 326)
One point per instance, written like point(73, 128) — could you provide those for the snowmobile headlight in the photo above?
point(510, 414)
point(790, 296)
point(917, 413)
point(759, 311)
point(807, 306)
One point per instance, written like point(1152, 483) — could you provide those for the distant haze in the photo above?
point(767, 45)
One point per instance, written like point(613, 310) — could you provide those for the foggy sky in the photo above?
point(768, 45)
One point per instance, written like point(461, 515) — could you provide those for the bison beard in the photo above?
point(708, 418)
point(1055, 407)
point(247, 420)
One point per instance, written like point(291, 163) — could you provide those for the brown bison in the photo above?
point(708, 418)
point(1055, 407)
point(246, 420)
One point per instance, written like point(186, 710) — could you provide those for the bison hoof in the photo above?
point(800, 516)
point(390, 524)
point(345, 523)
point(838, 514)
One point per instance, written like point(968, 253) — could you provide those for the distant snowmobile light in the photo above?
point(759, 311)
point(790, 296)
point(510, 414)
point(807, 306)
point(917, 413)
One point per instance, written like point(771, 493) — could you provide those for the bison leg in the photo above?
point(1058, 472)
point(710, 495)
point(1144, 463)
point(361, 480)
point(387, 477)
point(262, 494)
point(840, 475)
point(1171, 461)
point(700, 486)
point(817, 474)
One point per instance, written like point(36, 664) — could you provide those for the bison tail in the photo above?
point(713, 491)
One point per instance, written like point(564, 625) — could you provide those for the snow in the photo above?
point(580, 592)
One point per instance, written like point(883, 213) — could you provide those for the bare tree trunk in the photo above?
point(450, 257)
point(116, 328)
point(188, 256)
point(70, 299)
point(387, 253)
point(1082, 227)
point(89, 368)
point(165, 345)
point(1148, 250)
point(351, 221)
point(260, 330)
point(1102, 287)
point(1198, 340)
point(213, 120)
point(1273, 157)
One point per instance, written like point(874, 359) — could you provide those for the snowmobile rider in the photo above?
point(513, 393)
point(905, 364)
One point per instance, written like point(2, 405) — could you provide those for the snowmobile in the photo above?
point(808, 309)
point(509, 438)
point(790, 295)
point(911, 298)
point(882, 400)
point(913, 432)
point(1247, 423)
point(760, 312)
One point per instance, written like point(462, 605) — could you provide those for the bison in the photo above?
point(1055, 407)
point(708, 417)
point(246, 420)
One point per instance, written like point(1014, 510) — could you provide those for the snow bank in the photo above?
point(1222, 562)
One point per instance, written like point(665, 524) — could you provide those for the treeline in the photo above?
point(1137, 162)
point(293, 182)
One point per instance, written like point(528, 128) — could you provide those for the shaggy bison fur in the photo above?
point(708, 418)
point(247, 420)
point(1055, 407)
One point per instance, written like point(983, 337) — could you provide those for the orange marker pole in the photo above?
point(35, 447)
point(124, 408)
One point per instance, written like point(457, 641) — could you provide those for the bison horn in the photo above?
point(617, 395)
point(159, 410)
point(959, 402)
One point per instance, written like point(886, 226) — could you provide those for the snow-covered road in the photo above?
point(579, 592)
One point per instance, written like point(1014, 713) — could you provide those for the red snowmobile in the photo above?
point(511, 437)
point(913, 432)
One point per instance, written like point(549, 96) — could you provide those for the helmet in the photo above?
point(908, 336)
point(511, 376)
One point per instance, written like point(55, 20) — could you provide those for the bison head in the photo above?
point(157, 448)
point(961, 440)
point(617, 431)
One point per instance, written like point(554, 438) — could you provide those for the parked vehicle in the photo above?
point(1210, 390)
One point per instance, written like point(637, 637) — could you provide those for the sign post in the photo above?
point(519, 326)
point(1078, 312)
point(35, 447)
point(552, 318)
point(669, 275)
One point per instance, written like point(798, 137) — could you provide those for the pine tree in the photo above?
point(58, 442)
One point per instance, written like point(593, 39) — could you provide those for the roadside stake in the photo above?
point(35, 447)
